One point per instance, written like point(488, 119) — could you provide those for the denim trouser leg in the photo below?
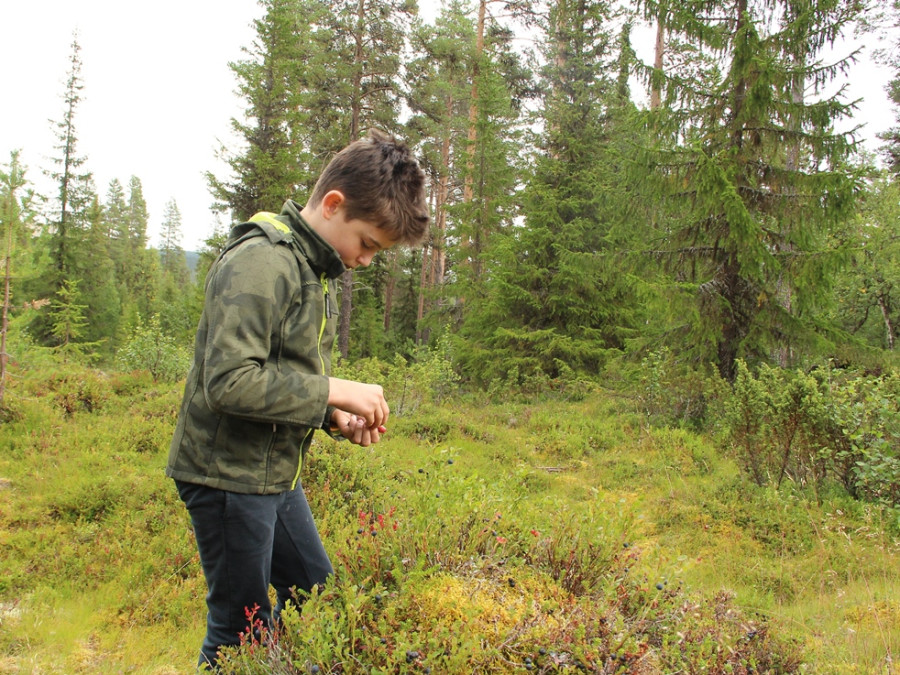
point(246, 542)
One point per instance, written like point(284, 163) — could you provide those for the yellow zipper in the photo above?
point(322, 363)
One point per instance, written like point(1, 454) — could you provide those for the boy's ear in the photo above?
point(331, 202)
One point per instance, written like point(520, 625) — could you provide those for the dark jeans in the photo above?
point(247, 542)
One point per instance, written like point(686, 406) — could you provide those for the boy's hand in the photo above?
point(363, 400)
point(354, 429)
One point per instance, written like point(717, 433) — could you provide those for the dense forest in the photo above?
point(643, 371)
point(592, 213)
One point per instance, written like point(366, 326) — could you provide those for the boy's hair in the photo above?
point(382, 184)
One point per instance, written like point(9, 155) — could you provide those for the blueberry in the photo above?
point(659, 587)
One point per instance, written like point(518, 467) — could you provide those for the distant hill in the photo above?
point(192, 258)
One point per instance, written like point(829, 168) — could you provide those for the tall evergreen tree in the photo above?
point(176, 300)
point(360, 69)
point(554, 304)
point(891, 57)
point(73, 181)
point(143, 263)
point(71, 217)
point(171, 254)
point(115, 219)
point(276, 160)
point(318, 75)
point(97, 288)
point(439, 90)
point(750, 177)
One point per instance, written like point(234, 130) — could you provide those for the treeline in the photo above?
point(586, 206)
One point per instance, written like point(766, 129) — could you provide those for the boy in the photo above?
point(259, 386)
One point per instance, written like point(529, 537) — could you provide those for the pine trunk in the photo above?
point(659, 51)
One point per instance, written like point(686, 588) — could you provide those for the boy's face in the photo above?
point(356, 241)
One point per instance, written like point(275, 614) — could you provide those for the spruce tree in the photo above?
point(68, 323)
point(555, 305)
point(73, 181)
point(171, 254)
point(175, 302)
point(115, 223)
point(95, 271)
point(70, 220)
point(749, 176)
point(142, 266)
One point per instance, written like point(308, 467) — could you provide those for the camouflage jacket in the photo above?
point(258, 386)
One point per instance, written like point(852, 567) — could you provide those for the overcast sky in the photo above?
point(158, 94)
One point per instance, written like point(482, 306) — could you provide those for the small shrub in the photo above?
point(818, 426)
point(151, 350)
point(672, 393)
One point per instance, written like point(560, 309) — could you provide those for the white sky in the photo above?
point(158, 94)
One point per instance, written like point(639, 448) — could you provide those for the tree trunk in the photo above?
point(473, 102)
point(656, 91)
point(355, 112)
point(888, 325)
point(391, 255)
point(4, 326)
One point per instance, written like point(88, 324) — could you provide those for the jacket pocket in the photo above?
point(242, 449)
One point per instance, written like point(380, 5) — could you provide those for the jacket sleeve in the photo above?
point(247, 299)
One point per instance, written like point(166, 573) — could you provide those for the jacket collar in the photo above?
point(321, 255)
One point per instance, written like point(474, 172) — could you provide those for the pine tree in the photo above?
point(440, 86)
point(277, 158)
point(468, 88)
point(749, 177)
point(358, 88)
